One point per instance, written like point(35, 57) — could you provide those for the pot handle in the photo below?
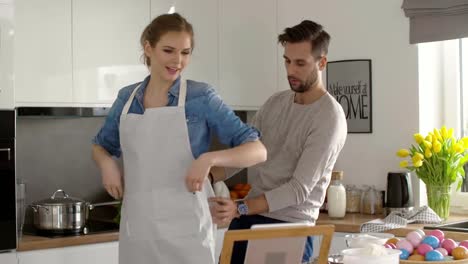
point(91, 206)
point(36, 207)
point(59, 191)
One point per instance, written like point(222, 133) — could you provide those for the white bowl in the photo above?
point(360, 240)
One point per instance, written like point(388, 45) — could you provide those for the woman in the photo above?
point(163, 127)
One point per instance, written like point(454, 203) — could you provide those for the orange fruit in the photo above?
point(246, 187)
point(234, 195)
point(238, 187)
point(460, 253)
point(242, 194)
point(392, 240)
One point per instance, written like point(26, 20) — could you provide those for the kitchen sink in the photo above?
point(461, 226)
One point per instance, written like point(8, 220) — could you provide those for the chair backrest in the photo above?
point(231, 236)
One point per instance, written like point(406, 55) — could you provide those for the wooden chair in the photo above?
point(270, 233)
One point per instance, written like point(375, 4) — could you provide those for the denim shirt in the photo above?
point(205, 114)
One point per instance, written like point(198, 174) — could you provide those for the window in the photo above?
point(463, 47)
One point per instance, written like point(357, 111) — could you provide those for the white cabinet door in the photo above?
point(203, 15)
point(101, 253)
point(8, 258)
point(248, 52)
point(7, 100)
point(43, 52)
point(106, 48)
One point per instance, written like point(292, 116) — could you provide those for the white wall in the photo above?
point(376, 30)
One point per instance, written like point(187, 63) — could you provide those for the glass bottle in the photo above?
point(336, 196)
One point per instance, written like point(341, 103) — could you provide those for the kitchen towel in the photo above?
point(422, 215)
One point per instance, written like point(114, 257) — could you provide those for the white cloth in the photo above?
point(162, 222)
point(423, 215)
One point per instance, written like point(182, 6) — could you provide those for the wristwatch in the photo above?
point(242, 208)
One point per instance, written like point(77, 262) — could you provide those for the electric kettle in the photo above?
point(399, 192)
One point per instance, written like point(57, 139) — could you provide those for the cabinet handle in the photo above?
point(8, 150)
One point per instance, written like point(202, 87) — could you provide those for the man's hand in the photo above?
point(197, 173)
point(223, 210)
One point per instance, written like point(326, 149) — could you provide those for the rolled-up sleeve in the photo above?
point(227, 126)
point(108, 136)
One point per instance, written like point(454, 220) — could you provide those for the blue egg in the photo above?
point(434, 255)
point(431, 241)
point(404, 254)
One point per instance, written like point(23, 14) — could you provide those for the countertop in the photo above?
point(350, 224)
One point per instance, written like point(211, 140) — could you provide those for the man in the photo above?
point(304, 130)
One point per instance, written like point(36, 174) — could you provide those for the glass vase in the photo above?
point(438, 198)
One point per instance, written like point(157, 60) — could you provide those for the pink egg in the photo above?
point(390, 245)
point(414, 238)
point(437, 233)
point(443, 251)
point(405, 244)
point(449, 244)
point(464, 243)
point(424, 248)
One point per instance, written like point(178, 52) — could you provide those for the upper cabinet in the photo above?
point(6, 57)
point(203, 16)
point(43, 52)
point(247, 52)
point(106, 47)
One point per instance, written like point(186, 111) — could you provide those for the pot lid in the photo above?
point(60, 198)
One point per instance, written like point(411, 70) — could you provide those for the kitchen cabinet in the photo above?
point(247, 52)
point(43, 52)
point(106, 48)
point(8, 258)
point(101, 253)
point(6, 57)
point(203, 16)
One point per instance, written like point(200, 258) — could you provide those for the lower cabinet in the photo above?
point(8, 258)
point(102, 253)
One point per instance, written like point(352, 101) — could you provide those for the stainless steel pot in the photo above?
point(62, 213)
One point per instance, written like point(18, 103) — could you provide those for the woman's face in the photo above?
point(170, 55)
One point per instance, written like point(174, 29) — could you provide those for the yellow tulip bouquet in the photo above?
point(437, 160)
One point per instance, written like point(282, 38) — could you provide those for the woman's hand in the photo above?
point(223, 210)
point(112, 179)
point(198, 172)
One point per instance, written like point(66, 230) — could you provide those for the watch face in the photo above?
point(242, 208)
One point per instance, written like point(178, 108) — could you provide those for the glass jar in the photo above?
point(371, 201)
point(353, 199)
point(336, 196)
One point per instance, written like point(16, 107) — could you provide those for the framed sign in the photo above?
point(350, 82)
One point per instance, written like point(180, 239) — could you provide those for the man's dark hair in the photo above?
point(307, 31)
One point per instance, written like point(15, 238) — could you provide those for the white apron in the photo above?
point(162, 222)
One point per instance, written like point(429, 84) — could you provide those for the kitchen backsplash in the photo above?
point(55, 153)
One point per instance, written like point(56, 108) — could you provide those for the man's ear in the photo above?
point(323, 63)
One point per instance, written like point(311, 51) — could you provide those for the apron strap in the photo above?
point(182, 96)
point(130, 100)
point(182, 92)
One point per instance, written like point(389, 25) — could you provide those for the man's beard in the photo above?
point(303, 87)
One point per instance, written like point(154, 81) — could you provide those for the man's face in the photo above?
point(301, 66)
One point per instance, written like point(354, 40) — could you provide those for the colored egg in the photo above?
point(443, 251)
point(404, 253)
point(437, 233)
point(390, 245)
point(460, 253)
point(414, 238)
point(421, 232)
point(416, 257)
point(434, 255)
point(449, 244)
point(423, 249)
point(405, 244)
point(431, 241)
point(464, 243)
point(392, 240)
